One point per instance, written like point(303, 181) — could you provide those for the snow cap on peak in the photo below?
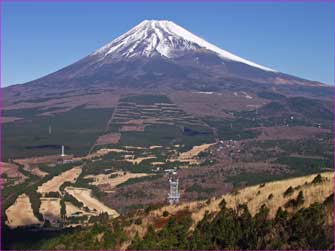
point(164, 38)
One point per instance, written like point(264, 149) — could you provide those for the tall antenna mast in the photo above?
point(174, 194)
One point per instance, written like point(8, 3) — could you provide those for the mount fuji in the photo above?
point(163, 38)
point(160, 54)
point(155, 63)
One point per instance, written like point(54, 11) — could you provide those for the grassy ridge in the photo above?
point(230, 226)
point(238, 229)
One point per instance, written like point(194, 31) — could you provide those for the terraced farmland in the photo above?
point(145, 120)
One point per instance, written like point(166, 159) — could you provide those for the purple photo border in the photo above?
point(175, 1)
point(139, 1)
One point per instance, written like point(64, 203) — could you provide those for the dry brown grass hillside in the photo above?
point(271, 194)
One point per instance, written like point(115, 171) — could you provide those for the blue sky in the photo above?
point(295, 38)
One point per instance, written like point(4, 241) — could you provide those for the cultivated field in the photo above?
point(72, 210)
point(11, 174)
point(54, 184)
point(136, 161)
point(189, 155)
point(38, 172)
point(158, 163)
point(114, 179)
point(50, 209)
point(110, 138)
point(84, 195)
point(101, 152)
point(21, 213)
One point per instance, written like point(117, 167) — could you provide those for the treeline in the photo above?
point(100, 236)
point(308, 228)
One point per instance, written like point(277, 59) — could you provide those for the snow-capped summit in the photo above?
point(164, 38)
point(161, 54)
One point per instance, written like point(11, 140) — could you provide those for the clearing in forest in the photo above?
point(85, 196)
point(21, 213)
point(54, 184)
point(72, 210)
point(50, 209)
point(115, 178)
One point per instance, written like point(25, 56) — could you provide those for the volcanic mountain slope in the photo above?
point(158, 49)
point(163, 55)
point(155, 57)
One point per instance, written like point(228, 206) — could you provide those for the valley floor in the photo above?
point(119, 160)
